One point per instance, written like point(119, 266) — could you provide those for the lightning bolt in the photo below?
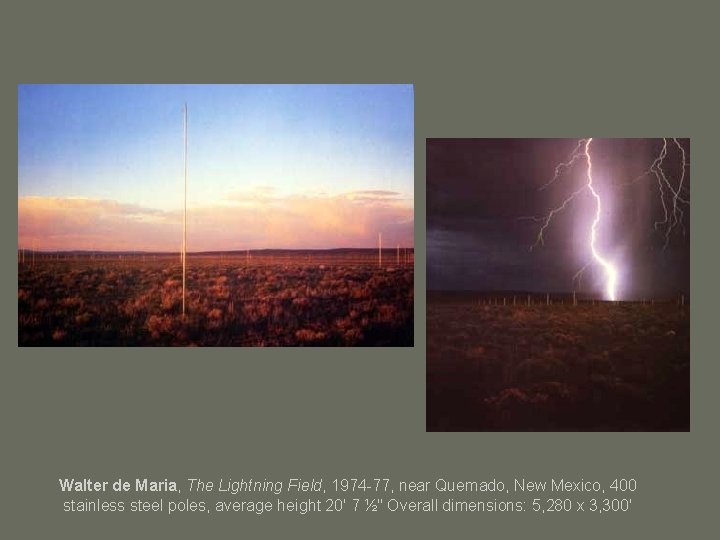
point(671, 198)
point(564, 166)
point(609, 268)
point(548, 218)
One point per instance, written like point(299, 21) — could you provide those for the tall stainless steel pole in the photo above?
point(380, 249)
point(184, 242)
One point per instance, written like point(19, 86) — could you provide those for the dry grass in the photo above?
point(137, 302)
point(561, 367)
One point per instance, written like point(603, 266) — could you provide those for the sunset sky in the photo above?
point(100, 167)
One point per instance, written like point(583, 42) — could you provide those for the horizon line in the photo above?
point(236, 250)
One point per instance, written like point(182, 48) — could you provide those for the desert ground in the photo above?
point(497, 364)
point(268, 298)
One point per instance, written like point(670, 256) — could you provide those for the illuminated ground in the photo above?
point(602, 367)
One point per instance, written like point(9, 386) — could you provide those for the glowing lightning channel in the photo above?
point(610, 270)
point(581, 151)
point(671, 198)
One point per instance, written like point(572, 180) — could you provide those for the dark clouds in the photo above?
point(478, 188)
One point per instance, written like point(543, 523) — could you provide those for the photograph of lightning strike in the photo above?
point(558, 277)
point(215, 215)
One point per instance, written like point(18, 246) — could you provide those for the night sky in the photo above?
point(477, 189)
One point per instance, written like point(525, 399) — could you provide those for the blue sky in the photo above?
point(123, 143)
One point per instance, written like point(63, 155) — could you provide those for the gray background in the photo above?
point(492, 69)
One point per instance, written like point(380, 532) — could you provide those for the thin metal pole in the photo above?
point(184, 242)
point(380, 249)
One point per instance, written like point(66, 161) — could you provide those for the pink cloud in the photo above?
point(258, 220)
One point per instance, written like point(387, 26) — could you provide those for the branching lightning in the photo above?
point(565, 165)
point(671, 198)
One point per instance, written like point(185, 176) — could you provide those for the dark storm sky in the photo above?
point(478, 188)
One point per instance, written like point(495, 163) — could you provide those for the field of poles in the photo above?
point(573, 299)
point(499, 362)
point(250, 298)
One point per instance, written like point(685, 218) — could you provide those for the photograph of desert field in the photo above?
point(558, 285)
point(215, 215)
